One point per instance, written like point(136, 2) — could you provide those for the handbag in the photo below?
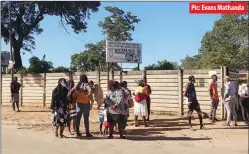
point(130, 103)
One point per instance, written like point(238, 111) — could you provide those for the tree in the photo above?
point(92, 58)
point(39, 65)
point(190, 62)
point(61, 69)
point(26, 18)
point(163, 65)
point(117, 27)
point(226, 44)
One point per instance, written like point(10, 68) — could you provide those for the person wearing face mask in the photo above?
point(214, 98)
point(244, 100)
point(60, 108)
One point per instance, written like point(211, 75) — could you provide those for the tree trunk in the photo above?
point(17, 56)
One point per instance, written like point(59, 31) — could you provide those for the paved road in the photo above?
point(31, 142)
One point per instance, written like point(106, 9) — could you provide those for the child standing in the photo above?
point(101, 109)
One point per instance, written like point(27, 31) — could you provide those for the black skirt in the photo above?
point(115, 118)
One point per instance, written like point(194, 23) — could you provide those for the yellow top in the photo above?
point(139, 90)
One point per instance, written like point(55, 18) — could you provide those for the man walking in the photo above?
point(230, 101)
point(14, 88)
point(193, 104)
point(214, 98)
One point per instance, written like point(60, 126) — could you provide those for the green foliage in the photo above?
point(225, 45)
point(190, 62)
point(135, 69)
point(119, 25)
point(92, 58)
point(39, 65)
point(26, 17)
point(163, 65)
point(61, 69)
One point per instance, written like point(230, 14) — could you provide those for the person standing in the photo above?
point(230, 101)
point(140, 105)
point(91, 98)
point(60, 108)
point(244, 100)
point(81, 94)
point(148, 100)
point(214, 98)
point(15, 88)
point(127, 97)
point(72, 107)
point(192, 101)
point(115, 109)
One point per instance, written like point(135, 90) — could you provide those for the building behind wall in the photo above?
point(5, 55)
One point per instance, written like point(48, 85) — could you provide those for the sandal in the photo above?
point(136, 124)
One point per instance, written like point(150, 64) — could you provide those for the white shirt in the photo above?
point(105, 115)
point(231, 90)
point(244, 91)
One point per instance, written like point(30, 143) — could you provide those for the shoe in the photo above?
point(216, 119)
point(213, 120)
point(122, 137)
point(226, 124)
point(192, 129)
point(78, 135)
point(235, 124)
point(110, 137)
point(89, 135)
point(201, 126)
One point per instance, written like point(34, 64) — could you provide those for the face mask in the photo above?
point(63, 84)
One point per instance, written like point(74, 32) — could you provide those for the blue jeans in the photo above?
point(85, 110)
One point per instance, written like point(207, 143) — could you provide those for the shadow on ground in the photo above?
point(161, 138)
point(158, 127)
point(36, 111)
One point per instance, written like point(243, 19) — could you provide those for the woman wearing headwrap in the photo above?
point(59, 106)
point(140, 105)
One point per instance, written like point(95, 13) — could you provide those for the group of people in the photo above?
point(230, 100)
point(70, 102)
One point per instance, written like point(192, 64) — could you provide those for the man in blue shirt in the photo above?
point(230, 101)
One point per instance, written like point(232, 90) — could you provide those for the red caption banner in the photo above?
point(218, 8)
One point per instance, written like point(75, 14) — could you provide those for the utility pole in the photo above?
point(10, 41)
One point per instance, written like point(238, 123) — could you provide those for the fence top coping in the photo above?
point(162, 72)
point(204, 71)
point(86, 73)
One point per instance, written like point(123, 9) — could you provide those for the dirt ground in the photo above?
point(166, 133)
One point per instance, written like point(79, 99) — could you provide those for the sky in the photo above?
point(166, 31)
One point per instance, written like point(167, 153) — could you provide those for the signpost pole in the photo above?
point(138, 66)
point(108, 75)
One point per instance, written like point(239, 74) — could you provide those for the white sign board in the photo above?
point(123, 52)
